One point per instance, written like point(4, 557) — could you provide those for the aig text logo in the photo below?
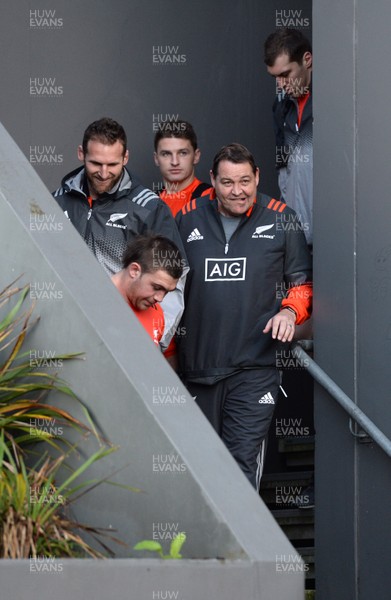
point(225, 269)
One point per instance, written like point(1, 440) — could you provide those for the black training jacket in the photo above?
point(233, 289)
point(116, 218)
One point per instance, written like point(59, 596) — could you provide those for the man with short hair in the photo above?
point(176, 154)
point(151, 268)
point(288, 57)
point(241, 254)
point(109, 207)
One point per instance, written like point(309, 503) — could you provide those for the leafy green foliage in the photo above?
point(175, 547)
point(34, 519)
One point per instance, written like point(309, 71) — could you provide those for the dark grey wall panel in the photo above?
point(374, 288)
point(334, 320)
point(352, 270)
point(110, 59)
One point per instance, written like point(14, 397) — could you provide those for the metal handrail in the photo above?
point(339, 395)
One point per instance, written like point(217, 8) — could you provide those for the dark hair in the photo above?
point(286, 41)
point(105, 130)
point(177, 129)
point(154, 252)
point(235, 153)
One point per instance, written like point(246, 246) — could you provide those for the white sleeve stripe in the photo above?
point(144, 197)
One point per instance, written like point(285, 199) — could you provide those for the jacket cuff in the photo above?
point(299, 298)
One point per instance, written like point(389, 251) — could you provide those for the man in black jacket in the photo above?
point(242, 252)
point(288, 58)
point(109, 207)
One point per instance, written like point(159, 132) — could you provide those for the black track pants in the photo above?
point(240, 408)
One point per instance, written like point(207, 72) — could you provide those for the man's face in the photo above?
point(144, 290)
point(294, 78)
point(176, 158)
point(103, 165)
point(235, 186)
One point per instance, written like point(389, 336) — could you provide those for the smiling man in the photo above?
point(151, 268)
point(242, 251)
point(176, 154)
point(109, 207)
point(288, 58)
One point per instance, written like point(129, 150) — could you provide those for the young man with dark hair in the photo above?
point(152, 266)
point(288, 58)
point(107, 131)
point(109, 207)
point(235, 321)
point(176, 154)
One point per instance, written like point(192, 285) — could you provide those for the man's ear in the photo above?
point(197, 156)
point(126, 157)
point(134, 270)
point(212, 178)
point(307, 60)
point(80, 153)
point(257, 176)
point(155, 159)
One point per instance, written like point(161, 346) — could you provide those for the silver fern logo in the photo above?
point(112, 220)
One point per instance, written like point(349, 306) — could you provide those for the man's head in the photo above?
point(104, 154)
point(176, 154)
point(235, 177)
point(288, 57)
point(152, 265)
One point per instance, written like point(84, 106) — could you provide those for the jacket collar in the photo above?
point(214, 202)
point(75, 182)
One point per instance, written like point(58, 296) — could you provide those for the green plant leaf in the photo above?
point(176, 545)
point(33, 511)
point(64, 487)
point(149, 545)
point(10, 317)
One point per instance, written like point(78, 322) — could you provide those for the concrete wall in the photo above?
point(352, 253)
point(145, 580)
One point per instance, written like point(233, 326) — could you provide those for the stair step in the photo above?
point(302, 459)
point(296, 444)
point(307, 553)
point(295, 515)
point(297, 524)
point(270, 480)
point(296, 533)
point(281, 490)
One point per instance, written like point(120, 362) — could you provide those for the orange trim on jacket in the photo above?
point(300, 299)
point(177, 200)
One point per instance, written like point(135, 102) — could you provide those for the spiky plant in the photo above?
point(34, 510)
point(24, 385)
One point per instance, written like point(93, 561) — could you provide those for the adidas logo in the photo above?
point(266, 399)
point(195, 235)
